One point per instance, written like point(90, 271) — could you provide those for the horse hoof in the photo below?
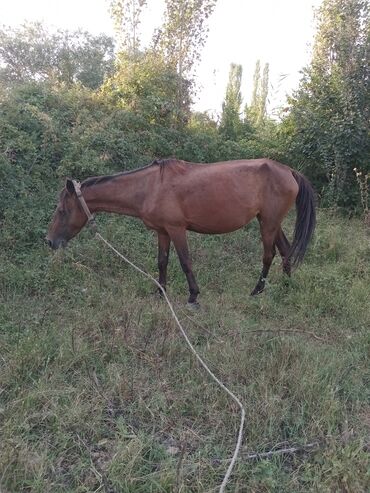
point(159, 293)
point(257, 291)
point(193, 306)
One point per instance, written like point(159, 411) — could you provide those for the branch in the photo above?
point(307, 332)
point(309, 447)
point(283, 451)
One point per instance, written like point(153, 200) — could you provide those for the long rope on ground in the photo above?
point(212, 375)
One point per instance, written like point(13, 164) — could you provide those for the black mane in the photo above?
point(96, 180)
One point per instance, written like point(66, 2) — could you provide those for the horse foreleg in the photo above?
point(181, 245)
point(163, 253)
point(283, 246)
point(268, 240)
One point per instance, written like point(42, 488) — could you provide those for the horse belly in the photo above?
point(221, 208)
point(220, 221)
point(214, 229)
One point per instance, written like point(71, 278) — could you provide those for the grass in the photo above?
point(99, 392)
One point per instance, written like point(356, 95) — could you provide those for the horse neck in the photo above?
point(123, 195)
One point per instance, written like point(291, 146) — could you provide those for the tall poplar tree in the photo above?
point(263, 93)
point(231, 124)
point(126, 19)
point(256, 85)
point(256, 112)
point(184, 33)
point(181, 38)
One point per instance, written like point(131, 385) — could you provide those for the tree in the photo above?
point(257, 110)
point(231, 124)
point(184, 33)
point(181, 38)
point(32, 53)
point(263, 94)
point(256, 85)
point(148, 86)
point(329, 119)
point(157, 81)
point(126, 17)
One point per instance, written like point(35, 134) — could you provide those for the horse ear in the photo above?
point(69, 186)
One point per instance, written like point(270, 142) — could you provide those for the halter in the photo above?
point(90, 217)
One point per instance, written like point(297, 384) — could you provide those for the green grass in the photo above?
point(100, 393)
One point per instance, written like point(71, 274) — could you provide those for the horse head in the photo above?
point(68, 219)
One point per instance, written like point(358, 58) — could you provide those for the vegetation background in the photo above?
point(97, 391)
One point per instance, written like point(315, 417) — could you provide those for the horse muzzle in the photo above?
point(55, 244)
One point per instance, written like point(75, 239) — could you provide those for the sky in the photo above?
point(278, 32)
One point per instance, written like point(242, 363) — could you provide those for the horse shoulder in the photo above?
point(161, 202)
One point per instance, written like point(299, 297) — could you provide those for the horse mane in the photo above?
point(162, 163)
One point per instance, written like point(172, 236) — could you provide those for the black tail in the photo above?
point(306, 219)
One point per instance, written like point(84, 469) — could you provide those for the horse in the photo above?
point(172, 197)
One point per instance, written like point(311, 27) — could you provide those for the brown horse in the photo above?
point(172, 196)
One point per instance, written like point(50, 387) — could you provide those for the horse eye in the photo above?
point(62, 212)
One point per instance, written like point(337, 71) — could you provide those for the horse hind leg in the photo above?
point(268, 240)
point(283, 246)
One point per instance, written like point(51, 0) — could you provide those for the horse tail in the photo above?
point(306, 219)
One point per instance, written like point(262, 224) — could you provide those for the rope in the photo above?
point(212, 375)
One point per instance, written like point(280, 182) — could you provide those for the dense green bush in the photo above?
point(48, 132)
